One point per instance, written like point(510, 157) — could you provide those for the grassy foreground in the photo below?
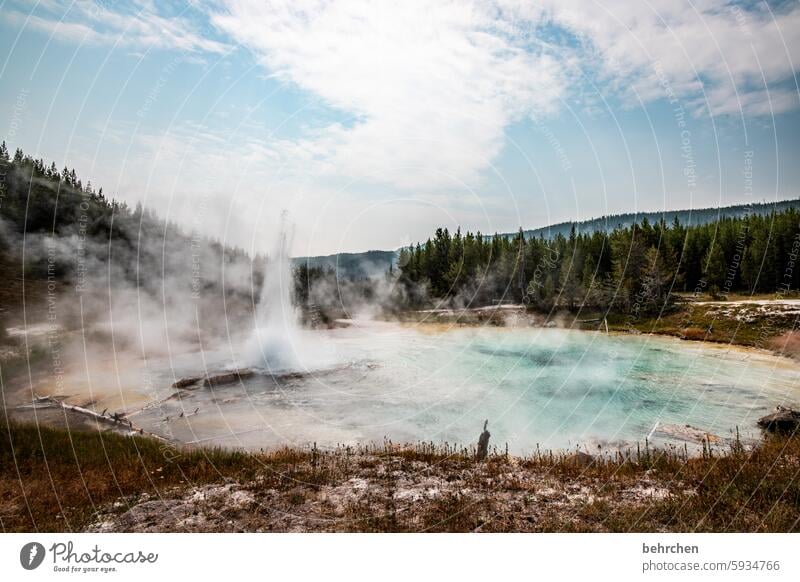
point(56, 480)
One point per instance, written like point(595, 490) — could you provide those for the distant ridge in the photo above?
point(352, 265)
point(693, 217)
point(374, 263)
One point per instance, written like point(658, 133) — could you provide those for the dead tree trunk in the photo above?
point(483, 442)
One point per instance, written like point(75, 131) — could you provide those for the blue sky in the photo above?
point(373, 123)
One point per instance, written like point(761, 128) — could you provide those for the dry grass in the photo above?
point(787, 344)
point(694, 333)
point(711, 323)
point(54, 480)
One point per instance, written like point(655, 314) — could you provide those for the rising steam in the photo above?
point(278, 343)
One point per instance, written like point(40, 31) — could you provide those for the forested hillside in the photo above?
point(635, 268)
point(352, 265)
point(38, 199)
point(690, 217)
point(60, 239)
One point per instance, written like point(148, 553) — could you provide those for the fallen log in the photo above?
point(227, 378)
point(187, 382)
point(117, 419)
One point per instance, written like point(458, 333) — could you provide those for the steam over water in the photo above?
point(278, 343)
point(554, 388)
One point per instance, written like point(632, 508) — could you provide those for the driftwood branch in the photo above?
point(117, 419)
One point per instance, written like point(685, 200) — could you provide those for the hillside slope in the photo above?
point(688, 217)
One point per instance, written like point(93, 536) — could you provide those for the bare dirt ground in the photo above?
point(393, 494)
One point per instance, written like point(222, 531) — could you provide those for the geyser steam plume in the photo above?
point(278, 343)
point(275, 340)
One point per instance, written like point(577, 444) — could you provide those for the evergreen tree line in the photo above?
point(637, 268)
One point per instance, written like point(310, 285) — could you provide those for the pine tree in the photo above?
point(715, 267)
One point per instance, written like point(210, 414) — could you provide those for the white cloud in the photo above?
point(716, 55)
point(70, 31)
point(138, 25)
point(429, 86)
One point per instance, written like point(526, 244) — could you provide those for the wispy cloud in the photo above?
point(425, 89)
point(416, 81)
point(137, 25)
point(430, 87)
point(721, 57)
